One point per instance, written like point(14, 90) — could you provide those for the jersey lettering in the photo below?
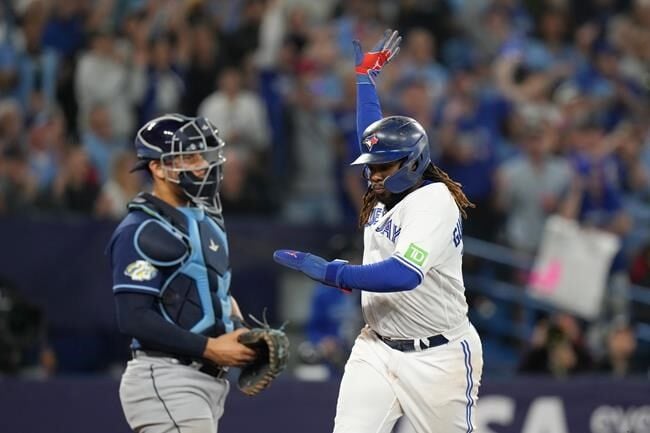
point(457, 235)
point(375, 215)
point(390, 230)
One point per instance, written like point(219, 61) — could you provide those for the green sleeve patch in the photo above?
point(416, 255)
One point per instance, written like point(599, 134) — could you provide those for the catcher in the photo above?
point(171, 281)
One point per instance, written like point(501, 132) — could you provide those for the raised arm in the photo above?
point(368, 66)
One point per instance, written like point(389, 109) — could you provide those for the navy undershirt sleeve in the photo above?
point(386, 276)
point(138, 318)
point(368, 107)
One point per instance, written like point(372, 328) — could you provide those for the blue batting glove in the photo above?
point(316, 268)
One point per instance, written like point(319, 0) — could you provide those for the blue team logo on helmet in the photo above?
point(396, 138)
point(370, 141)
point(185, 146)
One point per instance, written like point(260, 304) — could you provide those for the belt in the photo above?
point(202, 365)
point(410, 345)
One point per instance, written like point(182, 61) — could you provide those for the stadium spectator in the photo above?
point(12, 131)
point(467, 121)
point(312, 195)
point(594, 198)
point(36, 67)
point(43, 151)
point(76, 187)
point(100, 142)
point(531, 185)
point(206, 61)
point(621, 345)
point(165, 86)
point(557, 348)
point(640, 275)
point(120, 187)
point(240, 115)
point(418, 63)
point(18, 187)
point(107, 74)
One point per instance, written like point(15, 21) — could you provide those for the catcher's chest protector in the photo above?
point(190, 249)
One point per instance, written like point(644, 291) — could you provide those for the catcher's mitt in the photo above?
point(272, 347)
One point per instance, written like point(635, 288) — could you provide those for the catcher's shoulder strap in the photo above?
point(157, 208)
point(162, 239)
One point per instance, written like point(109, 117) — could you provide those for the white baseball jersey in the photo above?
point(424, 232)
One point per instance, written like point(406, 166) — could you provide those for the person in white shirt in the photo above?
point(418, 355)
point(240, 114)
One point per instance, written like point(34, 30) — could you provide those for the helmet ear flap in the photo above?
point(414, 166)
point(366, 172)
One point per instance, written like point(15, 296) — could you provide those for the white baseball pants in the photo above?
point(436, 388)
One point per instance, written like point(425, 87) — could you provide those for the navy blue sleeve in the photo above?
point(131, 271)
point(368, 107)
point(386, 276)
point(137, 317)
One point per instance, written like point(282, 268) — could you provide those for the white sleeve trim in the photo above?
point(135, 288)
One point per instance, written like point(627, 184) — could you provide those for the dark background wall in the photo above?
point(60, 266)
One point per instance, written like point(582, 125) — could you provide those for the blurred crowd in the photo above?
point(538, 107)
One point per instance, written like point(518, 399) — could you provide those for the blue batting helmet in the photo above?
point(396, 138)
point(185, 145)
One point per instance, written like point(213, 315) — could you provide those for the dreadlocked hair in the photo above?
point(369, 202)
point(432, 173)
point(436, 174)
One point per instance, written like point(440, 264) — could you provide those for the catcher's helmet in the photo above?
point(174, 139)
point(392, 139)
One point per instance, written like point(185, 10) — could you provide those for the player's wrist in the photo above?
point(363, 78)
point(208, 351)
point(333, 272)
point(361, 70)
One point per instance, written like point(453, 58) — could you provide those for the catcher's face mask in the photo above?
point(195, 162)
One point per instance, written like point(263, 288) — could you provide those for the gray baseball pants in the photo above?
point(160, 395)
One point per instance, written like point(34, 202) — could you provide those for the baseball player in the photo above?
point(418, 356)
point(171, 278)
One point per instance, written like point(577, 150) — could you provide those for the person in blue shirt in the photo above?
point(171, 280)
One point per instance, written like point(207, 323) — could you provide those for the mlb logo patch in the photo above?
point(370, 141)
